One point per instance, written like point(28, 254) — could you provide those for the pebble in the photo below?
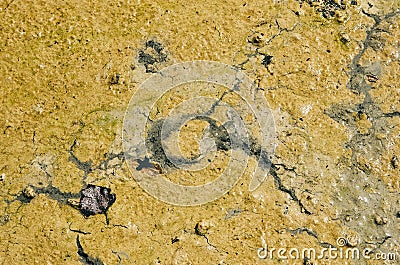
point(29, 192)
point(257, 39)
point(74, 203)
point(379, 220)
point(352, 239)
point(202, 227)
point(395, 162)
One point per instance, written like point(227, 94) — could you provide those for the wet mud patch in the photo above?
point(338, 118)
point(371, 128)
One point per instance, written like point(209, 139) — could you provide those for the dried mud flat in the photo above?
point(328, 69)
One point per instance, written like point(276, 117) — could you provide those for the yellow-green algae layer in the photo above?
point(329, 70)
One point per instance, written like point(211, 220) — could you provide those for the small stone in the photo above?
point(347, 218)
point(371, 78)
point(2, 176)
point(379, 220)
point(4, 219)
point(307, 262)
point(340, 16)
point(352, 239)
point(362, 116)
point(29, 192)
point(256, 39)
point(202, 228)
point(315, 3)
point(74, 203)
point(344, 37)
point(395, 162)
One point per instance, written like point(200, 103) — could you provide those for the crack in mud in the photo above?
point(289, 191)
point(84, 257)
point(223, 142)
point(310, 233)
point(259, 44)
point(98, 203)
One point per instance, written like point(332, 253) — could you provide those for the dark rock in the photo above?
point(95, 200)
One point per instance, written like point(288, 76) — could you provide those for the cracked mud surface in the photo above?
point(328, 69)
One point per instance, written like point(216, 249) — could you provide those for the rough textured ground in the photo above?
point(328, 69)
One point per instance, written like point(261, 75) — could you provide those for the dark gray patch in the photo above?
point(307, 261)
point(232, 213)
point(86, 166)
point(368, 145)
point(23, 198)
point(266, 60)
point(219, 133)
point(223, 142)
point(155, 45)
point(154, 145)
point(145, 163)
point(153, 53)
point(327, 8)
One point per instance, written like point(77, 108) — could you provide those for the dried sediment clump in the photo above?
point(29, 192)
point(380, 220)
point(202, 227)
point(329, 8)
